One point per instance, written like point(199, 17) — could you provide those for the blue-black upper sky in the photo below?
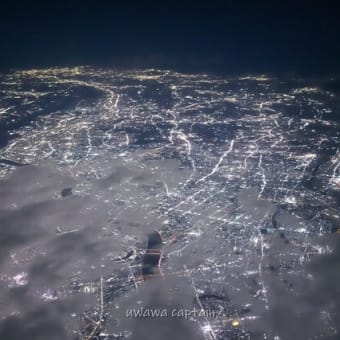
point(222, 36)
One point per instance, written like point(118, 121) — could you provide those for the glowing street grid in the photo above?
point(241, 176)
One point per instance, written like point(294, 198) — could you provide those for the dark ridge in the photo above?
point(152, 257)
point(154, 241)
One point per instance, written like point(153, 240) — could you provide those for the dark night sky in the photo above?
point(223, 36)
